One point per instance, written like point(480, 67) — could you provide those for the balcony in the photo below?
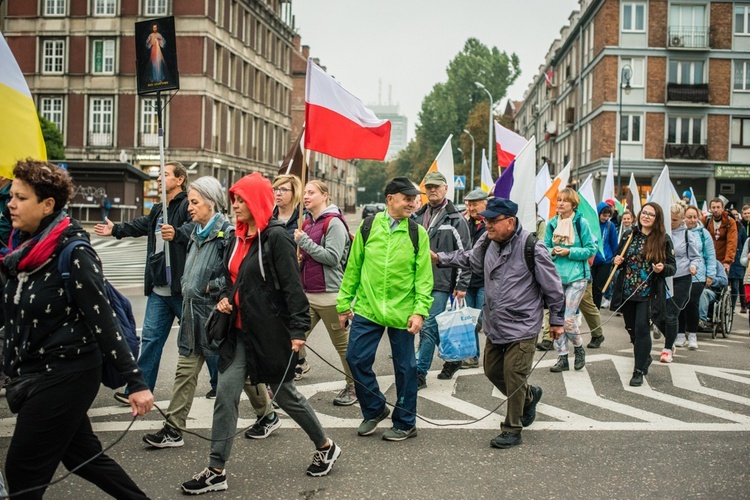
point(100, 139)
point(687, 93)
point(674, 151)
point(688, 37)
point(149, 140)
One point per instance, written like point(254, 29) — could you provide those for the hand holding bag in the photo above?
point(218, 323)
point(456, 327)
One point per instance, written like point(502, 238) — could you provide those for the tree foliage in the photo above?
point(372, 176)
point(457, 104)
point(53, 139)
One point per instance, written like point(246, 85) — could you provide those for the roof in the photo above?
point(104, 168)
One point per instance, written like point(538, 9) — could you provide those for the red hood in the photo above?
point(257, 193)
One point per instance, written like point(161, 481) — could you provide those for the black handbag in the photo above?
point(219, 323)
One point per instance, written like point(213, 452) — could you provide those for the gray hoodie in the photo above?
point(687, 252)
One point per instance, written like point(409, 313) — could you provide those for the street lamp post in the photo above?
point(466, 131)
point(489, 128)
point(625, 74)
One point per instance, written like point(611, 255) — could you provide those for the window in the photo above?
point(54, 7)
point(742, 75)
point(684, 130)
point(53, 57)
point(100, 121)
point(630, 128)
point(149, 123)
point(636, 71)
point(104, 7)
point(741, 132)
point(103, 57)
point(742, 20)
point(687, 16)
point(686, 72)
point(633, 16)
point(52, 109)
point(156, 8)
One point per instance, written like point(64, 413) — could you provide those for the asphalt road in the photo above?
point(684, 434)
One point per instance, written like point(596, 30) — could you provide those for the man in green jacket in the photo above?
point(389, 279)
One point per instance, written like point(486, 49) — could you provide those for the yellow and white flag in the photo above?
point(20, 133)
point(487, 183)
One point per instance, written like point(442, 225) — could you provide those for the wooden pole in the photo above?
point(614, 268)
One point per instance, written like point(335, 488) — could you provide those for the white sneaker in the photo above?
point(666, 356)
point(681, 340)
point(605, 303)
point(692, 341)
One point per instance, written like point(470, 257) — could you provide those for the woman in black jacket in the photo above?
point(648, 261)
point(268, 329)
point(54, 347)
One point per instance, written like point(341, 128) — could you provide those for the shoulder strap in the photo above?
point(366, 228)
point(528, 252)
point(414, 234)
point(63, 264)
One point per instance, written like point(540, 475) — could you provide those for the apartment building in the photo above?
point(655, 83)
point(231, 116)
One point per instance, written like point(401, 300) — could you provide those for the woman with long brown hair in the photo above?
point(648, 261)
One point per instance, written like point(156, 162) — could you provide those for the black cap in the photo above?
point(401, 185)
point(500, 206)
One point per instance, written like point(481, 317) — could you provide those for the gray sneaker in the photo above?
point(367, 427)
point(394, 434)
point(347, 397)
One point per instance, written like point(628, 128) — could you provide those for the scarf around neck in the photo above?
point(32, 252)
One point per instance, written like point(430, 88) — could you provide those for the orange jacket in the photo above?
point(724, 238)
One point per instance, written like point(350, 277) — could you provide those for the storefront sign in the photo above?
point(732, 171)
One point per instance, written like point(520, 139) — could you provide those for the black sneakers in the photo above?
point(529, 411)
point(167, 437)
point(211, 394)
point(596, 342)
point(323, 460)
point(421, 381)
point(561, 365)
point(263, 427)
point(449, 369)
point(506, 440)
point(544, 345)
point(637, 379)
point(580, 358)
point(207, 480)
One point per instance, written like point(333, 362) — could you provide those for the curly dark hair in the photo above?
point(47, 179)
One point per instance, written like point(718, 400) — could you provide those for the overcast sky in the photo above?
point(407, 44)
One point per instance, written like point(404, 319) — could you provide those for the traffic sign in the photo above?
point(459, 182)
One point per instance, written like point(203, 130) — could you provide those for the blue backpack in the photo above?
point(120, 305)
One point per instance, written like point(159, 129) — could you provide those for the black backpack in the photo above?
point(528, 251)
point(413, 231)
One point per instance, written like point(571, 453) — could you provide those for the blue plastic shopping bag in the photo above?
point(456, 327)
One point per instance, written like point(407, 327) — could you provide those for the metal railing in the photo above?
point(673, 151)
point(688, 37)
point(100, 139)
point(687, 93)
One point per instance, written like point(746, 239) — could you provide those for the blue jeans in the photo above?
point(364, 337)
point(708, 297)
point(212, 362)
point(429, 337)
point(475, 299)
point(157, 322)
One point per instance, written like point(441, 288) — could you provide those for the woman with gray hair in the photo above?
point(202, 281)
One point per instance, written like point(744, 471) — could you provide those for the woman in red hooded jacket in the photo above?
point(269, 328)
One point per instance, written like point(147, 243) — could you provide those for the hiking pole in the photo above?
point(614, 268)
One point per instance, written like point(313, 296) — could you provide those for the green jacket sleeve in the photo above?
point(423, 276)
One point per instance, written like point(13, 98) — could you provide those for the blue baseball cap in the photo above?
point(500, 206)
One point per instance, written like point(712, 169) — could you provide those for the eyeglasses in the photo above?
point(282, 190)
point(650, 215)
point(494, 220)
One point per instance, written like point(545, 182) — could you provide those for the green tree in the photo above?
point(372, 176)
point(53, 139)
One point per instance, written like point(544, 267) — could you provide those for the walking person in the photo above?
point(287, 192)
point(268, 330)
point(54, 347)
point(324, 247)
point(688, 258)
point(448, 231)
point(641, 285)
point(571, 244)
point(202, 282)
point(603, 259)
point(164, 303)
point(387, 285)
point(515, 296)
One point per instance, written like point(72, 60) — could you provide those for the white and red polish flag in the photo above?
point(338, 124)
point(508, 145)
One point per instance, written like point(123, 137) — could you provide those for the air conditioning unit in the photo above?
point(535, 109)
point(676, 41)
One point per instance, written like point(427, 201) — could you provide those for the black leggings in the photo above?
point(676, 309)
point(599, 275)
point(690, 316)
point(635, 314)
point(52, 427)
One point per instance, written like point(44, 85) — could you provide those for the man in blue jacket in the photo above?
point(602, 265)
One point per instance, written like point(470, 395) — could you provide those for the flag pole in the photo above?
point(163, 184)
point(301, 205)
point(622, 254)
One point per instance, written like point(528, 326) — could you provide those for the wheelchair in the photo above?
point(721, 314)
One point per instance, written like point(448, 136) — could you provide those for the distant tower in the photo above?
point(399, 122)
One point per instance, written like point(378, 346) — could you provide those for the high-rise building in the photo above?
point(654, 83)
point(231, 115)
point(398, 126)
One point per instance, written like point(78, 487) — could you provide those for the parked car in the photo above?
point(461, 207)
point(372, 209)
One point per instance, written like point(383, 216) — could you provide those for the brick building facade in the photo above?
point(231, 116)
point(685, 104)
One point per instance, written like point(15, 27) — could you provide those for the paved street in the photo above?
point(684, 434)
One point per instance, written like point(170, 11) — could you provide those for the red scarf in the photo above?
point(36, 251)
